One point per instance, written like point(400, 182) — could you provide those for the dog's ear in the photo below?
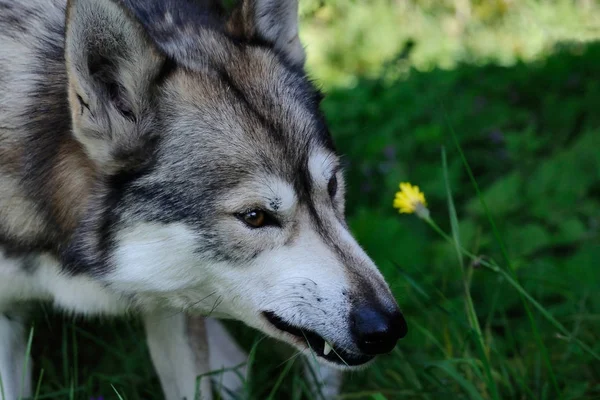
point(275, 21)
point(111, 66)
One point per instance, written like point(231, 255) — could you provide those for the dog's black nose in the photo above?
point(376, 330)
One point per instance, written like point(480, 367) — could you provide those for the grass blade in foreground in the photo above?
point(118, 394)
point(27, 357)
point(500, 242)
point(451, 371)
point(283, 374)
point(471, 313)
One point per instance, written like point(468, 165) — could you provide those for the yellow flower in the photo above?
point(411, 200)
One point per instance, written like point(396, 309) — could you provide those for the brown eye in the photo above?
point(258, 219)
point(254, 218)
point(332, 186)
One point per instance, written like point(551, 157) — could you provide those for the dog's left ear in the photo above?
point(275, 21)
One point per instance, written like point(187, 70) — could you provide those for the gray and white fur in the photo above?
point(168, 159)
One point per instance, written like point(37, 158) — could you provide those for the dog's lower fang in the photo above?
point(326, 348)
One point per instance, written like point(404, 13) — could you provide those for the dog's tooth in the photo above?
point(326, 348)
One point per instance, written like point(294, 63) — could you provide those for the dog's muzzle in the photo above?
point(374, 330)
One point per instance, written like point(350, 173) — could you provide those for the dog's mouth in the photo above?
point(318, 344)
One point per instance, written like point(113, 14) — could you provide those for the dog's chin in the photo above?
point(313, 344)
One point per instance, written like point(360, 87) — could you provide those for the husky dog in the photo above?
point(160, 159)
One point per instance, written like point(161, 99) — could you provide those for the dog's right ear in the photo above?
point(275, 21)
point(111, 66)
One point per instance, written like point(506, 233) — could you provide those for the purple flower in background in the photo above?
point(479, 104)
point(384, 167)
point(574, 80)
point(503, 155)
point(97, 398)
point(389, 152)
point(496, 136)
point(366, 187)
point(366, 170)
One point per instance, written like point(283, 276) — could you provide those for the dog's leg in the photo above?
point(225, 353)
point(324, 381)
point(16, 381)
point(179, 351)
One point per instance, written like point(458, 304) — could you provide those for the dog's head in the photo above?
point(219, 189)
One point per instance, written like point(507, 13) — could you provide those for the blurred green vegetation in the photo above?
point(531, 133)
point(519, 83)
point(351, 39)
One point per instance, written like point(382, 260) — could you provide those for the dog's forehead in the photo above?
point(254, 113)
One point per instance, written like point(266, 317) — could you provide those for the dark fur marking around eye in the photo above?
point(275, 204)
point(332, 186)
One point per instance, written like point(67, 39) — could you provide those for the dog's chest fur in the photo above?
point(39, 277)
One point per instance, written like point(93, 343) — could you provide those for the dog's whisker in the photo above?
point(285, 297)
point(217, 304)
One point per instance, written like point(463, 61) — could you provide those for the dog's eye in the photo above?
point(332, 186)
point(257, 218)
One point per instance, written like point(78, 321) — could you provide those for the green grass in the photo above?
point(507, 305)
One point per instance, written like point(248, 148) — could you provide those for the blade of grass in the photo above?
point(65, 356)
point(2, 388)
point(316, 377)
point(304, 389)
point(505, 275)
point(72, 391)
point(26, 364)
point(534, 326)
point(427, 334)
point(394, 394)
point(451, 371)
point(296, 388)
point(39, 385)
point(105, 346)
point(313, 354)
point(219, 385)
point(408, 374)
point(378, 396)
point(471, 313)
point(118, 394)
point(423, 293)
point(249, 366)
point(540, 308)
point(280, 378)
point(197, 388)
point(74, 351)
point(221, 371)
point(60, 393)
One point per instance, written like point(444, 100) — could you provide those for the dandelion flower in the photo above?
point(411, 200)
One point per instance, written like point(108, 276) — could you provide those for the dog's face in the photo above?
point(221, 191)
